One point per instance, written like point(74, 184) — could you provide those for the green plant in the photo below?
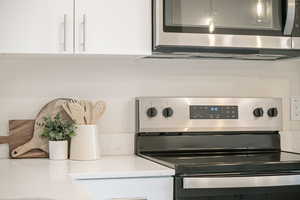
point(57, 129)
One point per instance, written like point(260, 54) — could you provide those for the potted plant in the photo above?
point(58, 131)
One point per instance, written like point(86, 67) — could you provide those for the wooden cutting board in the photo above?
point(38, 142)
point(20, 132)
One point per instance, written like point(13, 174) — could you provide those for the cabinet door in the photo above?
point(36, 26)
point(113, 27)
point(130, 189)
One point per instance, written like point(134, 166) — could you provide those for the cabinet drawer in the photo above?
point(130, 188)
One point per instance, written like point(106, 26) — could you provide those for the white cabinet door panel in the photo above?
point(36, 26)
point(130, 189)
point(113, 27)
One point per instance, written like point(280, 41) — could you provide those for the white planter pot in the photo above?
point(85, 144)
point(58, 150)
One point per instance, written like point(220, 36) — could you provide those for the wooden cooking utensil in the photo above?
point(88, 110)
point(20, 132)
point(67, 110)
point(98, 110)
point(77, 112)
point(38, 142)
point(83, 104)
point(83, 111)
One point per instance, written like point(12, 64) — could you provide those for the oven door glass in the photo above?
point(235, 17)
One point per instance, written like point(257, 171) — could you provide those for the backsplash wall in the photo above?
point(29, 82)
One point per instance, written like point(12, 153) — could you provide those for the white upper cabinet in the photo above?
point(36, 26)
point(99, 27)
point(113, 27)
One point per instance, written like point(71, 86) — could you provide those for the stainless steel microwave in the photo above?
point(258, 29)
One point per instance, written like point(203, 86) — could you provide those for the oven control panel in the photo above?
point(165, 114)
point(214, 112)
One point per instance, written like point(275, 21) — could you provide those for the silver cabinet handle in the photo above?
point(83, 44)
point(290, 17)
point(65, 32)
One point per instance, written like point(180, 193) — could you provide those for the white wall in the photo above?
point(29, 82)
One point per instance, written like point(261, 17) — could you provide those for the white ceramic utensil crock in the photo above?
point(58, 150)
point(85, 144)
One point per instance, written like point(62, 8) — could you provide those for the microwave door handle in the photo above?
point(290, 17)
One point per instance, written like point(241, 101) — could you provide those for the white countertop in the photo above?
point(46, 179)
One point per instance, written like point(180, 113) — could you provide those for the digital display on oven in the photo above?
point(214, 112)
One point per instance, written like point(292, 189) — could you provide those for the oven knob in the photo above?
point(168, 112)
point(151, 112)
point(273, 112)
point(258, 112)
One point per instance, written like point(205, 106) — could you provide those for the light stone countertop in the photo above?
point(33, 179)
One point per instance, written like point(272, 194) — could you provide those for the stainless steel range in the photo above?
point(220, 148)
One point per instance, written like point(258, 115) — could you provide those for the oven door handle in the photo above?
point(240, 182)
point(290, 17)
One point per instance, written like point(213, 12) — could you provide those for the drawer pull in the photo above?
point(128, 199)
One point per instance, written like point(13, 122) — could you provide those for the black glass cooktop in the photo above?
point(229, 161)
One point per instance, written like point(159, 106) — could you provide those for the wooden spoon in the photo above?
point(77, 112)
point(85, 105)
point(89, 111)
point(98, 110)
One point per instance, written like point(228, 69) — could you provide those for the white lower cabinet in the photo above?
point(159, 188)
